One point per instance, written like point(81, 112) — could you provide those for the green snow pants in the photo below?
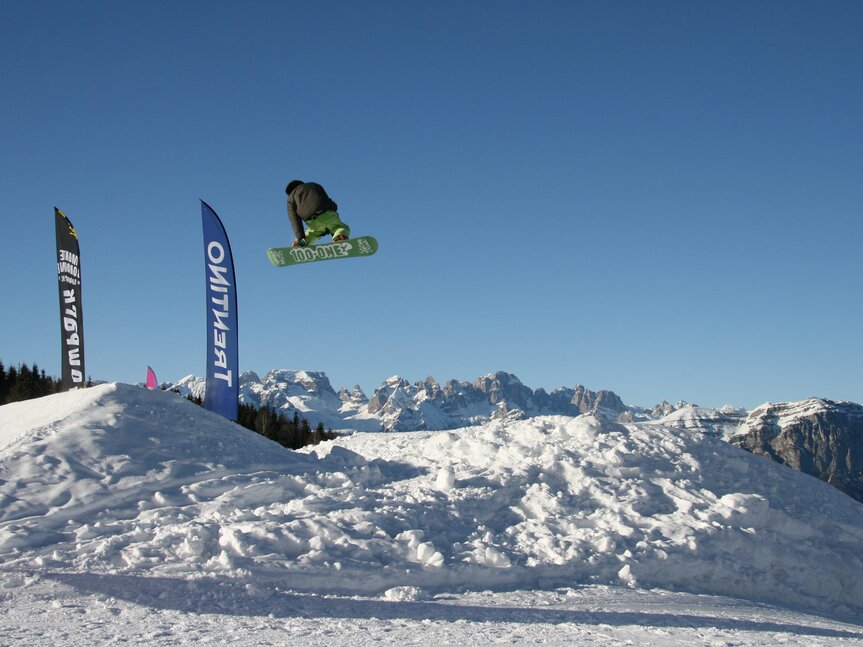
point(324, 223)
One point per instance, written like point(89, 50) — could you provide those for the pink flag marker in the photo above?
point(151, 379)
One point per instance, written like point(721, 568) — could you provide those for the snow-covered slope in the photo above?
point(818, 437)
point(120, 480)
point(68, 457)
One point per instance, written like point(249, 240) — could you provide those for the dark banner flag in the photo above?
point(223, 387)
point(71, 313)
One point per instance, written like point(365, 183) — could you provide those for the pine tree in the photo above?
point(267, 422)
point(197, 400)
point(246, 416)
point(288, 433)
point(318, 435)
point(23, 387)
point(41, 383)
point(11, 379)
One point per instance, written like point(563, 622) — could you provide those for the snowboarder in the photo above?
point(309, 203)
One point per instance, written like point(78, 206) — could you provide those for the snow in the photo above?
point(788, 414)
point(134, 515)
point(724, 422)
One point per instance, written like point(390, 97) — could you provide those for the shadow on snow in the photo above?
point(212, 596)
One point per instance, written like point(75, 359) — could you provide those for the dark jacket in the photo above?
point(305, 202)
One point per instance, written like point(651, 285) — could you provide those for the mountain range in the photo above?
point(399, 405)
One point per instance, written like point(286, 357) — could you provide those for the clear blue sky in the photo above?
point(659, 198)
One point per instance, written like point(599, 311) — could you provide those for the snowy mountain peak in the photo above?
point(431, 383)
point(505, 387)
point(499, 378)
point(663, 409)
point(356, 396)
point(310, 381)
point(784, 414)
point(249, 376)
point(723, 423)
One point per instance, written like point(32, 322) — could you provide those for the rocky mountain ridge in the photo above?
point(399, 405)
point(820, 437)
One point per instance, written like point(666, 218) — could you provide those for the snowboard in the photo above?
point(350, 248)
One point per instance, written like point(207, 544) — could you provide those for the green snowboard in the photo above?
point(352, 247)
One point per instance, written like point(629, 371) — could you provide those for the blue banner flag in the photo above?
point(223, 388)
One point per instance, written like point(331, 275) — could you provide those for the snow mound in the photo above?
point(117, 479)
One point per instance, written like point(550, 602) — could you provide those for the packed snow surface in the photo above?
point(135, 515)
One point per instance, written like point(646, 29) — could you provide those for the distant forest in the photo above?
point(27, 382)
point(24, 383)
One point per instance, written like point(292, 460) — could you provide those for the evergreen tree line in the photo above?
point(293, 433)
point(25, 382)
